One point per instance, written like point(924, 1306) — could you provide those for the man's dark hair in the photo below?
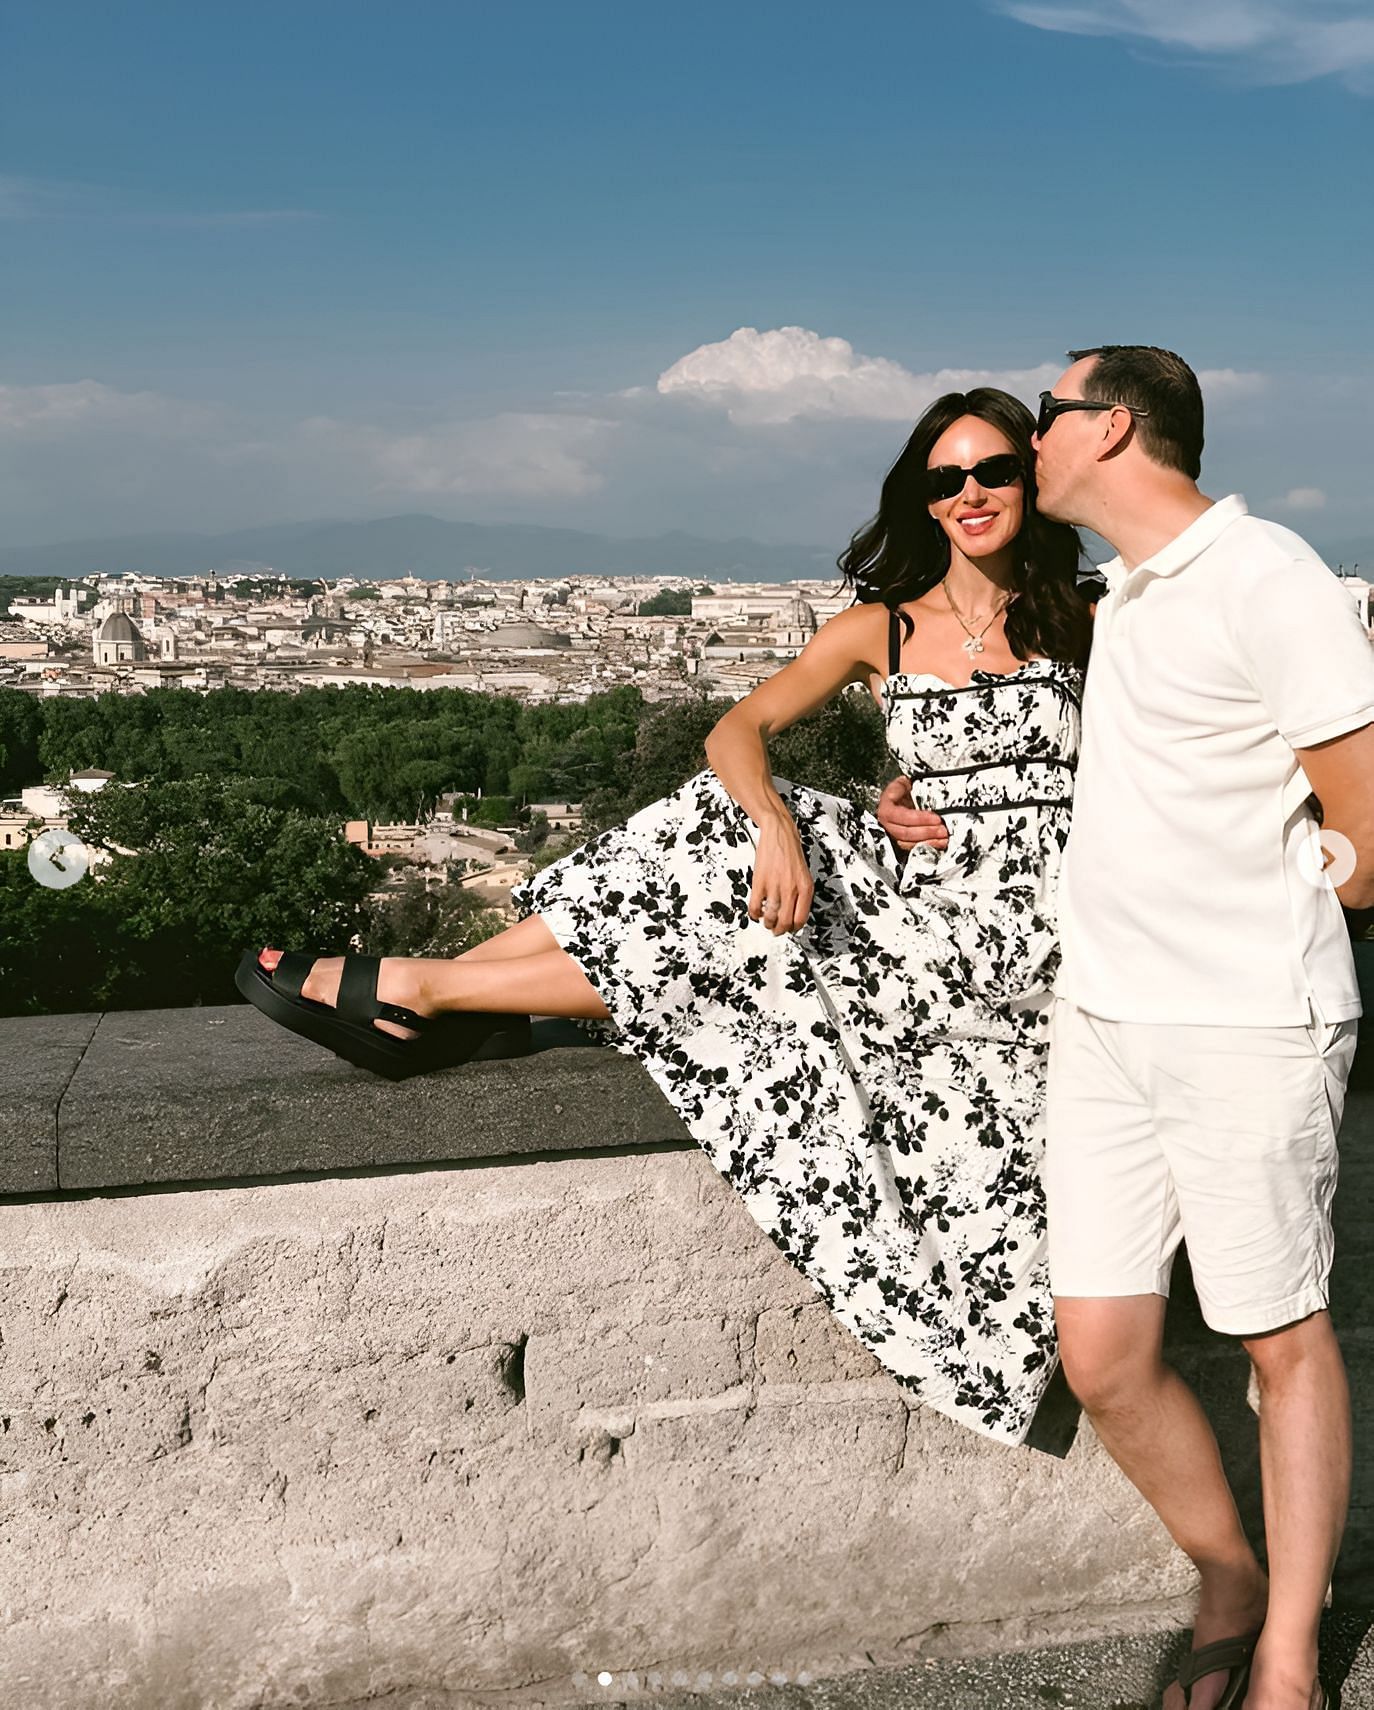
point(1148, 378)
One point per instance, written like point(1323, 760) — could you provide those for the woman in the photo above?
point(856, 1039)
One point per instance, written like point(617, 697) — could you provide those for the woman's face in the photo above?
point(979, 519)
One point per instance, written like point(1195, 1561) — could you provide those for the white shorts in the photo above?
point(1221, 1136)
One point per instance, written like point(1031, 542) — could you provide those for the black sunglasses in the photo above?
point(947, 479)
point(1050, 407)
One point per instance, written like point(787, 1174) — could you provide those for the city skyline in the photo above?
point(621, 274)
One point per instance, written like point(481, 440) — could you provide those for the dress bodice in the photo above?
point(1003, 739)
point(995, 758)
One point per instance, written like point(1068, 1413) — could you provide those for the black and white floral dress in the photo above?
point(872, 1084)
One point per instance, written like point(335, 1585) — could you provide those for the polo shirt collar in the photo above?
point(1183, 548)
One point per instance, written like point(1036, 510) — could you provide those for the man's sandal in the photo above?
point(1234, 1655)
point(346, 1028)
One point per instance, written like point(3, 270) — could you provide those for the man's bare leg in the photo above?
point(1154, 1428)
point(1305, 1456)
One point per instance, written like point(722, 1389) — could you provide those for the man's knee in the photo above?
point(1110, 1349)
point(1278, 1356)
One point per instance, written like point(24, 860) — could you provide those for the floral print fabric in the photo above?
point(871, 1085)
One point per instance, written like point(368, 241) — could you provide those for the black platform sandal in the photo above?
point(456, 1036)
point(1234, 1655)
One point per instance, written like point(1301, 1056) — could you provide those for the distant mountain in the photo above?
point(421, 546)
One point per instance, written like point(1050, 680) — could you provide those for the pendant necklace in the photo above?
point(974, 643)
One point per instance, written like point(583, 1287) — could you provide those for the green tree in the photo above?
point(668, 602)
point(212, 870)
point(53, 943)
point(415, 920)
point(21, 728)
point(533, 835)
point(841, 749)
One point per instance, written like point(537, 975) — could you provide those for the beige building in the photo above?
point(119, 641)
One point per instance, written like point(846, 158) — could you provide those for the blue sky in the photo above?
point(634, 268)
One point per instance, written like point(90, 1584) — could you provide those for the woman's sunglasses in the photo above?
point(1052, 407)
point(947, 479)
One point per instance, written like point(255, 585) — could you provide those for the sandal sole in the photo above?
point(362, 1044)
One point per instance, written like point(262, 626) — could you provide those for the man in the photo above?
point(1204, 1013)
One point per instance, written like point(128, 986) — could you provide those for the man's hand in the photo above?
point(1340, 772)
point(905, 823)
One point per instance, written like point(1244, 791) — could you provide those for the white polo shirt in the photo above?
point(1187, 892)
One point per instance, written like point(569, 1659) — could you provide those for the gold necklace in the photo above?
point(974, 643)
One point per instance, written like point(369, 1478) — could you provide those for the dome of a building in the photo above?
point(526, 636)
point(119, 626)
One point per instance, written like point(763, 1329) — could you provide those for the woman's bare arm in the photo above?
point(840, 652)
point(847, 649)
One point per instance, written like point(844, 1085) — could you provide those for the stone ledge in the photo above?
point(135, 1098)
point(219, 1093)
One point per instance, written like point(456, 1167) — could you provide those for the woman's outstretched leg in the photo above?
point(524, 971)
point(548, 982)
point(528, 937)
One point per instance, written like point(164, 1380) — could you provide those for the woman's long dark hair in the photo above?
point(903, 552)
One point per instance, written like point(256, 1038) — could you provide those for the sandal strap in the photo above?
point(399, 1012)
point(291, 972)
point(1229, 1654)
point(358, 1000)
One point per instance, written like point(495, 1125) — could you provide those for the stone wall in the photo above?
point(318, 1389)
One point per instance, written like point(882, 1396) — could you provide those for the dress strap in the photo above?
point(894, 641)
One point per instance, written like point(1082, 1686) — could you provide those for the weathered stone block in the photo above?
point(39, 1054)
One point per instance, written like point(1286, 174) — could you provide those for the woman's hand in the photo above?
point(782, 890)
point(905, 823)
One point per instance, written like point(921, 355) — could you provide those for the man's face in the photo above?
point(1065, 457)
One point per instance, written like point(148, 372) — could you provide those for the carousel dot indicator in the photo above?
point(58, 859)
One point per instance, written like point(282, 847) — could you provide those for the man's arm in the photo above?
point(1341, 773)
point(905, 823)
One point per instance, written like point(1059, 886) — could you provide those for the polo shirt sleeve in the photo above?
point(1305, 650)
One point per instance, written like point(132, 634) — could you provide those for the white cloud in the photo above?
point(83, 457)
point(1303, 499)
point(1268, 41)
point(39, 412)
point(1221, 385)
point(780, 433)
point(513, 455)
point(790, 373)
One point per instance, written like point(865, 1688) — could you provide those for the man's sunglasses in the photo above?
point(1050, 407)
point(947, 479)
